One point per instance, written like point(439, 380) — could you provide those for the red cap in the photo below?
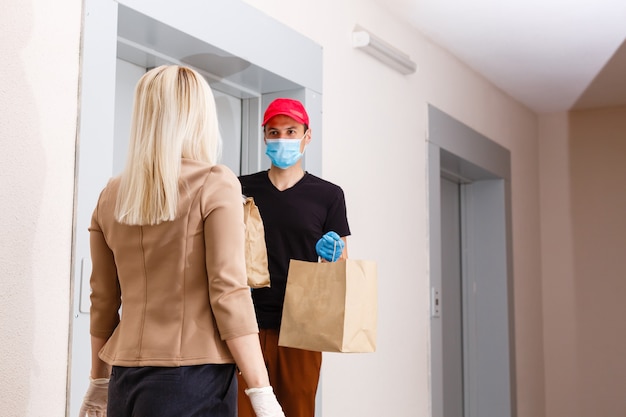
point(287, 107)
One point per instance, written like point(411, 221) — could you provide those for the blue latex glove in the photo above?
point(329, 247)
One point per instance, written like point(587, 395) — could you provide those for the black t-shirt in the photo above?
point(294, 220)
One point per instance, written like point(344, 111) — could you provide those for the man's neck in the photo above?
point(285, 178)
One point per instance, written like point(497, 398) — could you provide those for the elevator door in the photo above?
point(470, 270)
point(451, 300)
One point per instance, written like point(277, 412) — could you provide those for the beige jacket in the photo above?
point(181, 285)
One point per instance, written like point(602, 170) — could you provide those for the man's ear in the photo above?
point(307, 136)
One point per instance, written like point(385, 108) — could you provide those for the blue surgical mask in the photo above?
point(283, 152)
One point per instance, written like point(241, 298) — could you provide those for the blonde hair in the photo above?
point(174, 117)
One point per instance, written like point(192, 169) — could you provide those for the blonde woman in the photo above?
point(167, 248)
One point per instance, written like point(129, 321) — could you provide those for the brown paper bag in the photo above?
point(256, 251)
point(330, 306)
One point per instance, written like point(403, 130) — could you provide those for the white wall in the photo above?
point(374, 127)
point(39, 41)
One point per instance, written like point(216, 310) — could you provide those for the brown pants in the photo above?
point(294, 374)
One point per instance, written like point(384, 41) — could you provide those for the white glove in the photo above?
point(95, 401)
point(264, 402)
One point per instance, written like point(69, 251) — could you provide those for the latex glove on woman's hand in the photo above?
point(264, 402)
point(329, 247)
point(95, 401)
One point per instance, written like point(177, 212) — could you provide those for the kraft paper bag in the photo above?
point(256, 251)
point(330, 306)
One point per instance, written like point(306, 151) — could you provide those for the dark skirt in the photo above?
point(186, 391)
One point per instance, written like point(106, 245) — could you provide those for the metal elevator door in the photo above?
point(452, 300)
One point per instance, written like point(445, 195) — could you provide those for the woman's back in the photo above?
point(169, 303)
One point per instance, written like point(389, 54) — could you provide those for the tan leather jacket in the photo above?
point(181, 284)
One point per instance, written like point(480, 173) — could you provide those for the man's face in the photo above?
point(284, 127)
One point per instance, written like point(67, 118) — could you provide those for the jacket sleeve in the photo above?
point(105, 288)
point(224, 233)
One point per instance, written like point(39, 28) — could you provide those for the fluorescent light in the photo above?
point(382, 51)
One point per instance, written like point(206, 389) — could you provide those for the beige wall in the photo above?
point(584, 242)
point(374, 128)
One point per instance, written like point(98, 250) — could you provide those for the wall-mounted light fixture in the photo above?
point(382, 51)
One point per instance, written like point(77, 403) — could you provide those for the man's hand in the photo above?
point(329, 247)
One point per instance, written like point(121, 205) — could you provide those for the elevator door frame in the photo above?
point(482, 168)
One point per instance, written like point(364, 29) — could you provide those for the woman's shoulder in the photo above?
point(110, 189)
point(203, 171)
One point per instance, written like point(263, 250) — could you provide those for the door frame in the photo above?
point(482, 167)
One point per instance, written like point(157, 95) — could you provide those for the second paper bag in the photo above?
point(256, 251)
point(330, 306)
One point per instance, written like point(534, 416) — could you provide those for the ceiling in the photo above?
point(551, 55)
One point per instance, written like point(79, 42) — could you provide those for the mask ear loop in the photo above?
point(302, 141)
